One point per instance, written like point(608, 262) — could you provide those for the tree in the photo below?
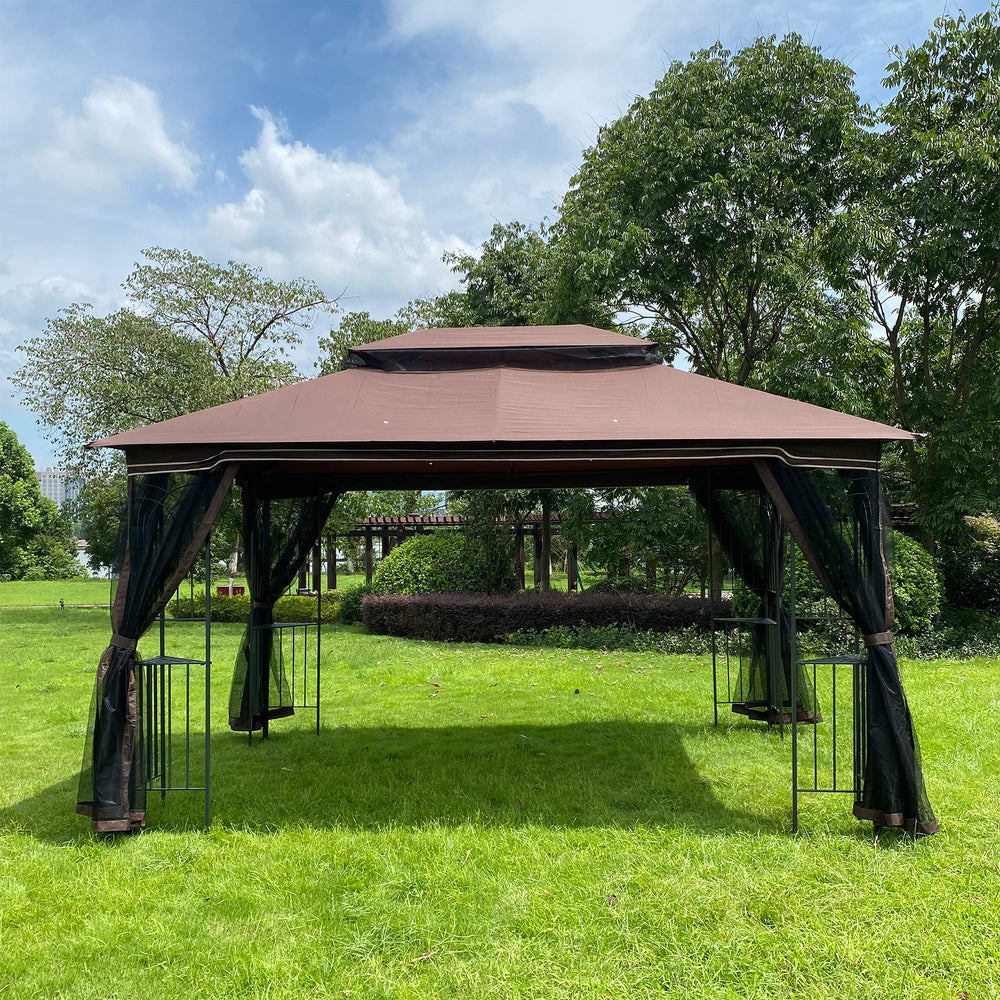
point(520, 277)
point(711, 210)
point(929, 259)
point(353, 329)
point(247, 321)
point(196, 334)
point(660, 529)
point(33, 534)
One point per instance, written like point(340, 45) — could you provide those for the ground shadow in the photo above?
point(583, 774)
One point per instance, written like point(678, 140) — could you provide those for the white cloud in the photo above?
point(121, 135)
point(340, 222)
point(573, 62)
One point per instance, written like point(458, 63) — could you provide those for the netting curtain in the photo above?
point(837, 519)
point(750, 536)
point(167, 521)
point(278, 536)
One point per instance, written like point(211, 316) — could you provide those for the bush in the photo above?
point(491, 618)
point(692, 641)
point(33, 574)
point(438, 563)
point(970, 565)
point(350, 603)
point(236, 608)
point(621, 585)
point(916, 589)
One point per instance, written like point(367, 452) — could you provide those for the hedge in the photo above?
point(484, 618)
point(236, 608)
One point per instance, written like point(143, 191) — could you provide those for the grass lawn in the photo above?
point(468, 825)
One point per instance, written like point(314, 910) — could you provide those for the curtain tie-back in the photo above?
point(878, 639)
point(124, 642)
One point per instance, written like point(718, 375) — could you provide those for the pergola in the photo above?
point(491, 408)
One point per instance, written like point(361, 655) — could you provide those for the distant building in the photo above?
point(57, 486)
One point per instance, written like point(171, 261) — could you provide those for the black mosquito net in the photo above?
point(749, 532)
point(838, 519)
point(168, 520)
point(278, 535)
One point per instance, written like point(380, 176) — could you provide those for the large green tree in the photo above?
point(711, 209)
point(194, 334)
point(35, 538)
point(929, 259)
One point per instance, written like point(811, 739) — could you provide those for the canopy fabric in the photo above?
point(588, 400)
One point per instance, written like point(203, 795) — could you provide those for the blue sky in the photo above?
point(350, 142)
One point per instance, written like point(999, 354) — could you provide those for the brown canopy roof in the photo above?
point(510, 403)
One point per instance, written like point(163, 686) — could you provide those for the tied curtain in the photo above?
point(167, 521)
point(850, 564)
point(750, 537)
point(278, 536)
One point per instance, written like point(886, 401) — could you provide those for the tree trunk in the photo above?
point(234, 556)
point(715, 575)
point(546, 554)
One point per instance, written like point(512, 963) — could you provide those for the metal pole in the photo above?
point(794, 692)
point(319, 633)
point(208, 680)
point(711, 603)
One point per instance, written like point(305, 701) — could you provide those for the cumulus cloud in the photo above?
point(121, 135)
point(340, 222)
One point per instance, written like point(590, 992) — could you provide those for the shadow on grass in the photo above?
point(585, 774)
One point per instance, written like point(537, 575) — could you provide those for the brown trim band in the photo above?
point(908, 823)
point(124, 642)
point(878, 639)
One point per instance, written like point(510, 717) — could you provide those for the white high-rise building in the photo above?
point(57, 485)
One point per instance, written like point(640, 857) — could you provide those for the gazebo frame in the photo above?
point(490, 409)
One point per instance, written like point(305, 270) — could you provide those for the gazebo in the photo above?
point(492, 408)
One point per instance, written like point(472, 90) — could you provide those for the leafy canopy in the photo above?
point(710, 209)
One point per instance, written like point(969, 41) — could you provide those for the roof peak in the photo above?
point(450, 348)
point(480, 337)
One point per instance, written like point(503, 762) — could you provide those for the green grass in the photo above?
point(467, 825)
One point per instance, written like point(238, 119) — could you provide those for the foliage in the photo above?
point(490, 618)
point(442, 562)
point(247, 321)
point(35, 538)
point(350, 603)
point(712, 207)
point(692, 640)
point(928, 252)
point(916, 588)
point(236, 607)
point(353, 329)
point(657, 530)
point(970, 564)
point(51, 554)
point(520, 277)
point(195, 334)
point(100, 507)
point(491, 516)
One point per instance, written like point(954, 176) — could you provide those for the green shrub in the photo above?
point(350, 603)
point(429, 564)
point(33, 574)
point(916, 589)
point(970, 564)
point(691, 641)
point(236, 608)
